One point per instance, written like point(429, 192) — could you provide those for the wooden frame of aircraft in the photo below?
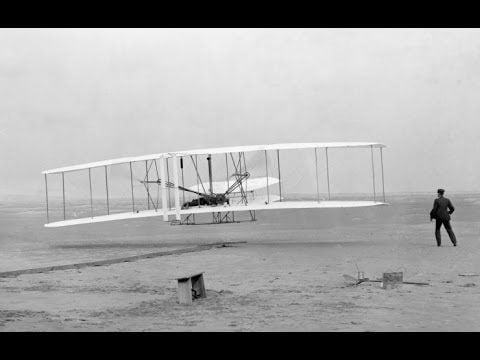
point(220, 196)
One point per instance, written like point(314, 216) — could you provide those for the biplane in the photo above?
point(221, 188)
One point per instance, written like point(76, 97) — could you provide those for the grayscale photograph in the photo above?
point(239, 180)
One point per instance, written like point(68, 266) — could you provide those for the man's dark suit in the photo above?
point(442, 208)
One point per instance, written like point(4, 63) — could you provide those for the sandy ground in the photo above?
point(287, 277)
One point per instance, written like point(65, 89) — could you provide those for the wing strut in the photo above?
point(176, 191)
point(245, 166)
point(63, 191)
point(279, 178)
point(226, 167)
point(266, 171)
point(183, 183)
point(131, 186)
point(158, 177)
point(209, 159)
point(146, 185)
point(164, 189)
point(168, 180)
point(46, 195)
point(316, 173)
point(383, 184)
point(90, 183)
point(195, 164)
point(106, 186)
point(328, 175)
point(373, 173)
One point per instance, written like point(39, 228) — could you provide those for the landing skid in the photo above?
point(227, 217)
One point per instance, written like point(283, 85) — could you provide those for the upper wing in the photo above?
point(222, 150)
point(284, 146)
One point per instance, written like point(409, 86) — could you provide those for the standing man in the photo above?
point(442, 208)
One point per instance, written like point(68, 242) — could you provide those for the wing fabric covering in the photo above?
point(256, 205)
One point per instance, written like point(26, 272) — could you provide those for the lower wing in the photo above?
point(260, 203)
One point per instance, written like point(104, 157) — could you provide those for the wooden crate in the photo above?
point(191, 287)
point(392, 280)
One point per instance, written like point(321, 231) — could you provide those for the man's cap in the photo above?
point(440, 191)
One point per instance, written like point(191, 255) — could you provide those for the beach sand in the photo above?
point(288, 276)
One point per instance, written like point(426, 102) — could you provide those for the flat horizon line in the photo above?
point(313, 195)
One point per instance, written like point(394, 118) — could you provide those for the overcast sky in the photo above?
point(71, 96)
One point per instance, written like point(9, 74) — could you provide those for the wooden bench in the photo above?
point(191, 287)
